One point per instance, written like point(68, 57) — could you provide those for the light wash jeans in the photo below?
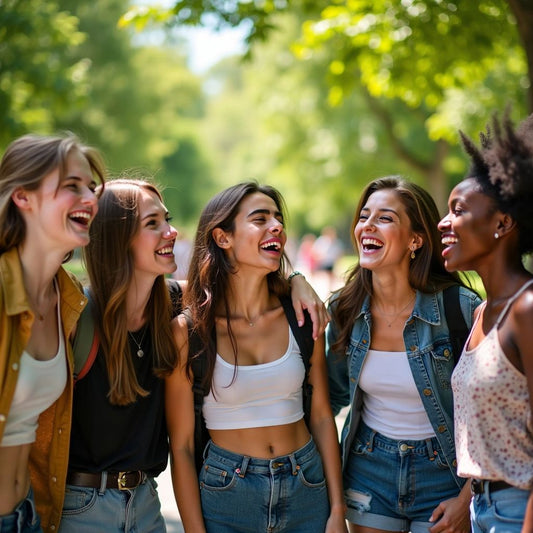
point(502, 511)
point(23, 519)
point(242, 494)
point(88, 510)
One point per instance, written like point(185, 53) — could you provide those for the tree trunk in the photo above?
point(523, 13)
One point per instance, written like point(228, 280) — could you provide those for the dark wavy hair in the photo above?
point(426, 271)
point(503, 169)
point(210, 269)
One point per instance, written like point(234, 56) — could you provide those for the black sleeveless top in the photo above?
point(120, 438)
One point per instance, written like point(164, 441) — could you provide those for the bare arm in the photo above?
point(453, 514)
point(324, 433)
point(179, 405)
point(304, 297)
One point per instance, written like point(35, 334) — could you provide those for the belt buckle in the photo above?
point(122, 482)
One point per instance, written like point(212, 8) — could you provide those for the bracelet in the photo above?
point(293, 274)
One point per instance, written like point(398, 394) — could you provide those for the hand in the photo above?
point(304, 297)
point(451, 516)
point(336, 523)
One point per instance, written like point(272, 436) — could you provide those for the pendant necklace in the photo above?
point(395, 315)
point(140, 351)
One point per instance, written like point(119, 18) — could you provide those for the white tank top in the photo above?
point(268, 394)
point(391, 402)
point(491, 405)
point(39, 385)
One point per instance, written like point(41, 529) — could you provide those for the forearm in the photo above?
point(527, 527)
point(325, 435)
point(186, 491)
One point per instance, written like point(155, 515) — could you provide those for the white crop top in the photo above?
point(391, 402)
point(268, 394)
point(39, 385)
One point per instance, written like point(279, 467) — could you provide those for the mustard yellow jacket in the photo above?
point(50, 452)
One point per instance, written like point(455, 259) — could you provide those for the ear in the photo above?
point(21, 199)
point(221, 238)
point(417, 242)
point(505, 224)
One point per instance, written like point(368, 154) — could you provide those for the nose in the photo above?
point(170, 232)
point(277, 227)
point(444, 223)
point(89, 197)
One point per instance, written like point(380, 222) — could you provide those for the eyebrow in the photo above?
point(155, 214)
point(264, 212)
point(382, 210)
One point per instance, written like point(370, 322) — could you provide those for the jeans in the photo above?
point(242, 494)
point(23, 519)
point(502, 511)
point(395, 484)
point(87, 510)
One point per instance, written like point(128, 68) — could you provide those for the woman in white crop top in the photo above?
point(47, 202)
point(263, 467)
point(488, 229)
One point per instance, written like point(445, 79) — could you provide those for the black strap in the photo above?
point(200, 387)
point(457, 327)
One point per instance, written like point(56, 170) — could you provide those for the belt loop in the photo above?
point(103, 483)
point(294, 464)
point(241, 471)
point(431, 451)
point(370, 442)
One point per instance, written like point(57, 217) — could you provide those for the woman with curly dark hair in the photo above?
point(489, 229)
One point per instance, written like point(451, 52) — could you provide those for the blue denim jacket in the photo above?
point(430, 356)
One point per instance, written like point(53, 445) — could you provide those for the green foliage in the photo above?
point(38, 77)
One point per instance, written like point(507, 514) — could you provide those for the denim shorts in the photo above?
point(243, 494)
point(500, 511)
point(86, 510)
point(395, 485)
point(23, 519)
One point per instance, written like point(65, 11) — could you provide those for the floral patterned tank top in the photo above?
point(492, 412)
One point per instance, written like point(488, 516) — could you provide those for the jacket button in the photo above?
point(454, 462)
point(2, 418)
point(15, 367)
point(447, 352)
point(404, 447)
point(441, 429)
point(427, 392)
point(413, 348)
point(54, 479)
point(364, 341)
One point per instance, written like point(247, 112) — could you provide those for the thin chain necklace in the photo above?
point(140, 351)
point(395, 315)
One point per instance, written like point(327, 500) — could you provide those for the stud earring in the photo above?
point(496, 235)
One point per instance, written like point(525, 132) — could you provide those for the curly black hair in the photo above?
point(503, 168)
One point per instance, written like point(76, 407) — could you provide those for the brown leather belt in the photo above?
point(115, 480)
point(478, 485)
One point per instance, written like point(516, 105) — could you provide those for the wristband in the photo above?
point(293, 274)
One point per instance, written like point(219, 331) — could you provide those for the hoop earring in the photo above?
point(496, 235)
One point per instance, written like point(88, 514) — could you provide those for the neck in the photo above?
point(248, 298)
point(137, 299)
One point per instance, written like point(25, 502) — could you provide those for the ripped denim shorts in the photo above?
point(395, 484)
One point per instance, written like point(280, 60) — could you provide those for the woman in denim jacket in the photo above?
point(390, 358)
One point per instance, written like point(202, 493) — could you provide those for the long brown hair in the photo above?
point(210, 269)
point(110, 266)
point(25, 163)
point(426, 271)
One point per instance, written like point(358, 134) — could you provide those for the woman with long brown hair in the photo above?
point(47, 203)
point(390, 357)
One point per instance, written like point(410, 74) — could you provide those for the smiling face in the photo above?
point(383, 233)
point(258, 238)
point(62, 208)
point(153, 244)
point(469, 227)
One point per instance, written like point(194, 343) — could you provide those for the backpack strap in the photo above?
point(457, 327)
point(304, 338)
point(85, 345)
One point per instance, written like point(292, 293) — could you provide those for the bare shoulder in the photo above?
point(522, 310)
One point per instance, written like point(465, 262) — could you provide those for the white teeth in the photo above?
point(80, 214)
point(369, 241)
point(165, 251)
point(448, 240)
point(273, 244)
